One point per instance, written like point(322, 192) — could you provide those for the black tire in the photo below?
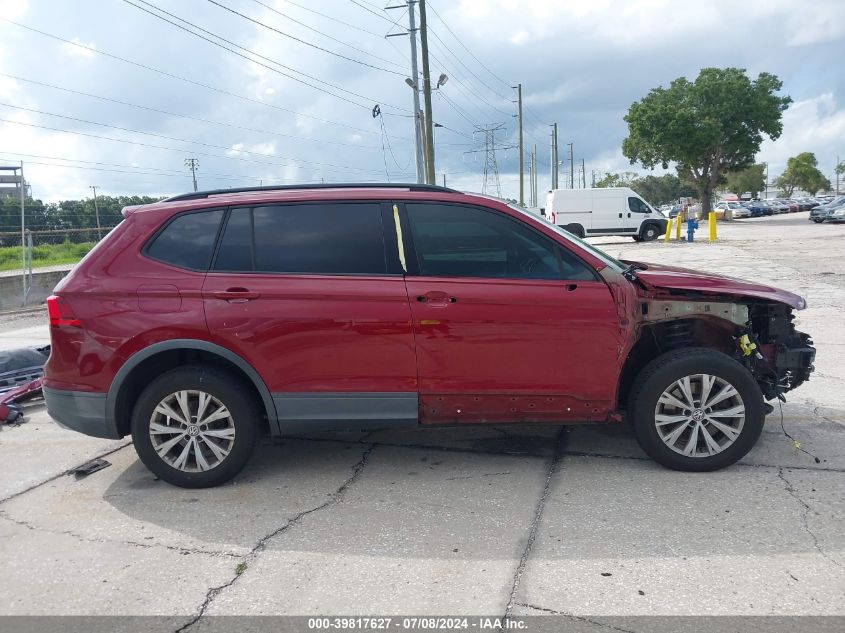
point(649, 232)
point(576, 229)
point(817, 220)
point(229, 391)
point(661, 373)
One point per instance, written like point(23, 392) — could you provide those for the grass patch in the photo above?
point(47, 255)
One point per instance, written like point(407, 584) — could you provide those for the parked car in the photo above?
point(819, 213)
point(737, 209)
point(778, 206)
point(836, 215)
point(203, 320)
point(805, 204)
point(756, 208)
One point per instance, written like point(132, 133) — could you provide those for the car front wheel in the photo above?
point(650, 233)
point(195, 426)
point(696, 409)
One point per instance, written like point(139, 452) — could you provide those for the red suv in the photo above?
point(204, 320)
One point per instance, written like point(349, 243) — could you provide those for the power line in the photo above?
point(128, 169)
point(185, 79)
point(325, 15)
point(457, 59)
point(334, 39)
point(471, 98)
point(191, 118)
point(250, 59)
point(166, 137)
point(171, 149)
point(461, 42)
point(463, 113)
point(385, 17)
point(301, 41)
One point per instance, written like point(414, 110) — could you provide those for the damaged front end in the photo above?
point(778, 355)
point(759, 334)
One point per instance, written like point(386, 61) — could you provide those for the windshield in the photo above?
point(615, 264)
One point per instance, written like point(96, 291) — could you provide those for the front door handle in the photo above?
point(620, 215)
point(629, 215)
point(236, 295)
point(436, 299)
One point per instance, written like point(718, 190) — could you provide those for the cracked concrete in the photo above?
point(501, 521)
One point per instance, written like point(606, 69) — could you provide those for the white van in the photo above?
point(606, 211)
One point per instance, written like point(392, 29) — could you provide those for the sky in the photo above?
point(101, 92)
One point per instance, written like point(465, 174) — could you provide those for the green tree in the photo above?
point(708, 127)
point(802, 172)
point(664, 189)
point(751, 179)
point(616, 180)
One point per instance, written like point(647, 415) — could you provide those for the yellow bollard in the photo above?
point(668, 231)
point(678, 227)
point(711, 220)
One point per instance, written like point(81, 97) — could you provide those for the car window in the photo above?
point(187, 240)
point(637, 206)
point(325, 238)
point(464, 241)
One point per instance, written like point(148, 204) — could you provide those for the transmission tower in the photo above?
point(491, 169)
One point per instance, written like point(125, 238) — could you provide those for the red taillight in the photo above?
point(60, 313)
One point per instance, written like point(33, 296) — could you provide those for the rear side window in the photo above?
point(328, 238)
point(188, 240)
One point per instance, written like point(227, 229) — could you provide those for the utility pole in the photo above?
point(571, 168)
point(555, 170)
point(414, 82)
point(837, 174)
point(23, 234)
point(444, 180)
point(97, 211)
point(583, 175)
point(534, 191)
point(429, 127)
point(192, 164)
point(531, 180)
point(521, 146)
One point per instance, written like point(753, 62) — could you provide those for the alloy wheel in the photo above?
point(192, 431)
point(699, 415)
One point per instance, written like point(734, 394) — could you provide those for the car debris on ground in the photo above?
point(20, 380)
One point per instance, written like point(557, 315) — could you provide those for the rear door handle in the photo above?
point(436, 299)
point(236, 295)
point(620, 215)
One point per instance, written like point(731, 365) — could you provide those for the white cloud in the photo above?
point(13, 9)
point(813, 125)
point(78, 50)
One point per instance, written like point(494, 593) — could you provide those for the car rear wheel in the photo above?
point(195, 426)
point(696, 409)
point(817, 220)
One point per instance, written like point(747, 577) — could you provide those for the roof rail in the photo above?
point(196, 195)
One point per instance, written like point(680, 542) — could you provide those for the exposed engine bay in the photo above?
point(759, 334)
point(779, 356)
